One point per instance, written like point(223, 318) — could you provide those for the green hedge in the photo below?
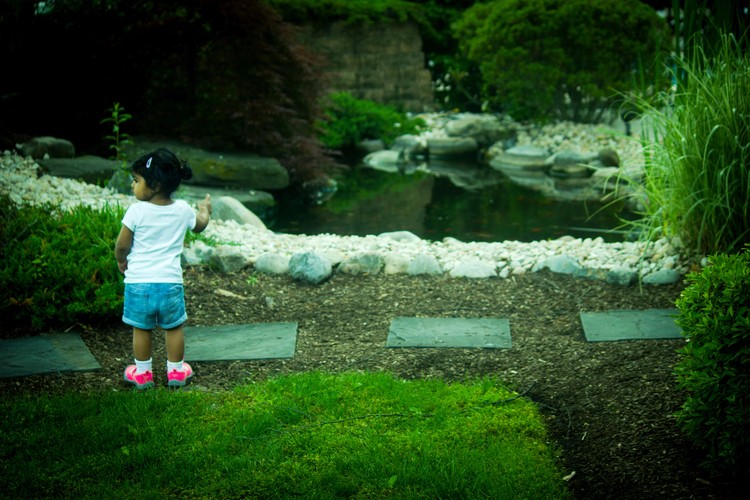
point(58, 269)
point(714, 367)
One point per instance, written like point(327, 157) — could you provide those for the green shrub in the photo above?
point(713, 369)
point(58, 268)
point(697, 185)
point(350, 120)
point(542, 59)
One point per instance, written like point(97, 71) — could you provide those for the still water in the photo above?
point(486, 207)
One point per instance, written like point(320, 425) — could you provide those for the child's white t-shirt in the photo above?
point(158, 239)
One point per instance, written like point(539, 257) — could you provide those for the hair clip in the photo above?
point(148, 163)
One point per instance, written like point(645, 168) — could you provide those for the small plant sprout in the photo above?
point(118, 139)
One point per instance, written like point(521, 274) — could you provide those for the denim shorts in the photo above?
point(148, 305)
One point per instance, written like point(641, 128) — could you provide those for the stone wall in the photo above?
point(383, 63)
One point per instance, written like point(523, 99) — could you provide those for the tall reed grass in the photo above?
point(697, 144)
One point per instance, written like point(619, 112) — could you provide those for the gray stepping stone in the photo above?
point(235, 342)
point(49, 353)
point(630, 325)
point(493, 333)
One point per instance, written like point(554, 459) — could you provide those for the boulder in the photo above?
point(485, 129)
point(452, 147)
point(520, 159)
point(410, 143)
point(236, 170)
point(91, 169)
point(51, 147)
point(261, 203)
point(571, 164)
point(228, 208)
point(386, 160)
point(609, 157)
point(225, 170)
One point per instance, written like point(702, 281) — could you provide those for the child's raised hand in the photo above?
point(205, 203)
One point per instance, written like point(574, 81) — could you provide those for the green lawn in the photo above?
point(311, 435)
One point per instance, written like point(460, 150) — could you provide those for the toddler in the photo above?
point(148, 251)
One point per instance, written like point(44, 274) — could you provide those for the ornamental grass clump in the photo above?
point(697, 146)
point(713, 369)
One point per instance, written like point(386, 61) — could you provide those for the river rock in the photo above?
point(424, 264)
point(620, 275)
point(228, 259)
point(473, 268)
point(662, 277)
point(362, 264)
point(272, 263)
point(309, 267)
point(563, 264)
point(401, 236)
point(395, 264)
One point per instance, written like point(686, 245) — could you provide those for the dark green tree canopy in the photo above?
point(559, 59)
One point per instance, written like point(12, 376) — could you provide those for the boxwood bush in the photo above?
point(58, 269)
point(714, 367)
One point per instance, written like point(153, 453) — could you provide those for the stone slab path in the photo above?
point(608, 326)
point(234, 342)
point(450, 332)
point(50, 353)
point(63, 352)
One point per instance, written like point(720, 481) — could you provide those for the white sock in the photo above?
point(174, 365)
point(143, 366)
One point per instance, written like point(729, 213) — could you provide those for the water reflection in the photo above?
point(469, 203)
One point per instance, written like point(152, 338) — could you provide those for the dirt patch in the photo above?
point(608, 406)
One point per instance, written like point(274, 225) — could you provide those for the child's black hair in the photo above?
point(162, 170)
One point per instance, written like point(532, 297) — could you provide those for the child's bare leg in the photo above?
point(141, 344)
point(175, 340)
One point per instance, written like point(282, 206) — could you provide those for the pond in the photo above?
point(483, 205)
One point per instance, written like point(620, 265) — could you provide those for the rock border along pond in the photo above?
point(251, 244)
